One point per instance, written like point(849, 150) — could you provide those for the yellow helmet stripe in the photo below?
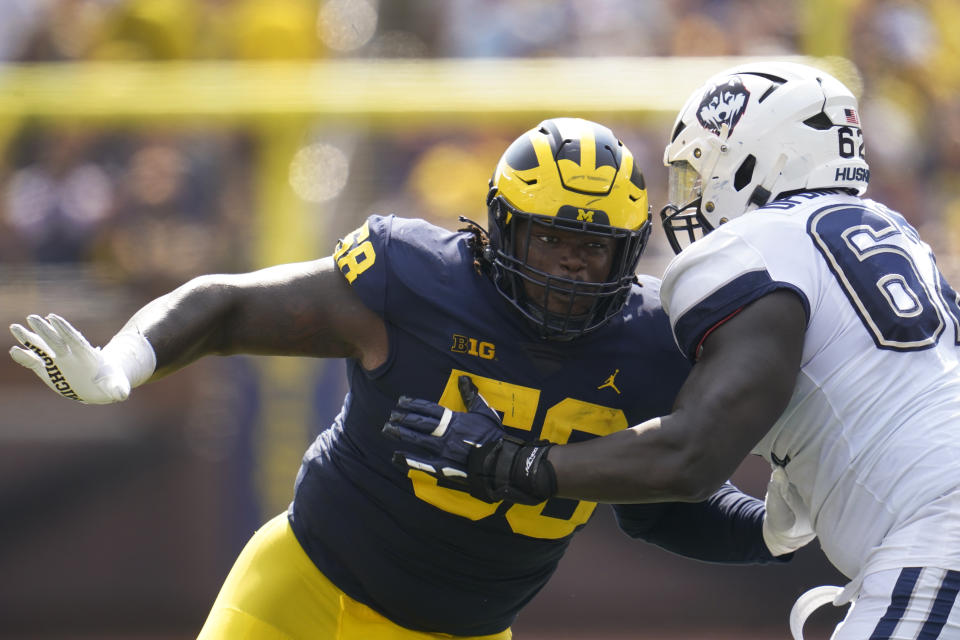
point(588, 149)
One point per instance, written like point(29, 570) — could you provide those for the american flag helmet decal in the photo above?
point(851, 116)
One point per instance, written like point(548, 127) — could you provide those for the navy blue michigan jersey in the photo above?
point(429, 556)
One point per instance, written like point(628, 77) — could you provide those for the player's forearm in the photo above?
point(187, 323)
point(740, 385)
point(298, 309)
point(650, 462)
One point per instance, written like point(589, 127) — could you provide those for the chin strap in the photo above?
point(763, 191)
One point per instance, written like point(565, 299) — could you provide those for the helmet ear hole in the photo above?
point(744, 173)
point(681, 125)
point(820, 122)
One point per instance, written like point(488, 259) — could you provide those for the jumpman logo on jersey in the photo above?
point(610, 382)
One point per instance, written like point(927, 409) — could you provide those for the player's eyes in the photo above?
point(593, 246)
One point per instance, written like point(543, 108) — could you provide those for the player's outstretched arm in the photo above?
point(297, 309)
point(304, 309)
point(736, 391)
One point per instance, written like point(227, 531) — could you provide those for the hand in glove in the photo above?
point(786, 525)
point(471, 449)
point(68, 364)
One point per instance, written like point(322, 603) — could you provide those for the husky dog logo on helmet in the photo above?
point(724, 103)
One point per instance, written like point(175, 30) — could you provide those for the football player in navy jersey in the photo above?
point(824, 338)
point(546, 316)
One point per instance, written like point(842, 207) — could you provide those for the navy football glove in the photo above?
point(471, 449)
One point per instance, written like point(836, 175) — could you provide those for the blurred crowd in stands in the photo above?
point(79, 194)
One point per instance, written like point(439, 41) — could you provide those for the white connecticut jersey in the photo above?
point(871, 437)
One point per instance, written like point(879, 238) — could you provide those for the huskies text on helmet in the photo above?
point(755, 133)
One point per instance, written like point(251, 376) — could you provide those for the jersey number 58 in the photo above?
point(519, 406)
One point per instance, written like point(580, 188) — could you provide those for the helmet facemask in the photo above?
point(566, 177)
point(683, 222)
point(560, 307)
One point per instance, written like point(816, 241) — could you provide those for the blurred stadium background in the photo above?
point(143, 142)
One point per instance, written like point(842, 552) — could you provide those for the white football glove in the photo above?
point(68, 364)
point(786, 525)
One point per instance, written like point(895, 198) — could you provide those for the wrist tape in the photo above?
point(132, 352)
point(512, 469)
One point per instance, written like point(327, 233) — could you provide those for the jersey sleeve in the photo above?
point(361, 256)
point(715, 277)
point(725, 528)
point(404, 269)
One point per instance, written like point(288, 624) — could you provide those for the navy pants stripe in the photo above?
point(900, 601)
point(902, 591)
point(942, 605)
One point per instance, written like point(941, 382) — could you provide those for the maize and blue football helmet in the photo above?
point(755, 133)
point(576, 175)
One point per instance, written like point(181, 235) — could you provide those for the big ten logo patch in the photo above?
point(473, 347)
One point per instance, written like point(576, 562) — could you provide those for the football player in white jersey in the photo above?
point(824, 337)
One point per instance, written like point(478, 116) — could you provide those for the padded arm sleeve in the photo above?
point(725, 528)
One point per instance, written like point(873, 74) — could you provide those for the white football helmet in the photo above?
point(754, 133)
